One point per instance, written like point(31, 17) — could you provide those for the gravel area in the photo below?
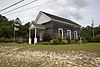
point(13, 56)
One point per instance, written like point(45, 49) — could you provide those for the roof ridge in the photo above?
point(59, 18)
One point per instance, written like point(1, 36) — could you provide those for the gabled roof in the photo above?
point(59, 18)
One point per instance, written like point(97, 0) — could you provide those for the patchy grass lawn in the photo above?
point(89, 47)
point(71, 55)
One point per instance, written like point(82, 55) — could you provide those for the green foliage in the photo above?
point(8, 40)
point(96, 38)
point(23, 31)
point(64, 42)
point(5, 27)
point(58, 38)
point(84, 40)
point(76, 40)
point(87, 33)
point(56, 41)
point(7, 31)
point(68, 39)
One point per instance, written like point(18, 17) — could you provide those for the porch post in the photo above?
point(35, 39)
point(29, 36)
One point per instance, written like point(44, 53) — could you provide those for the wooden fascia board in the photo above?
point(38, 16)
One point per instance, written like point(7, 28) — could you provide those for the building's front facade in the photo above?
point(55, 26)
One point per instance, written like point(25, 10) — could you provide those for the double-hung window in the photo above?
point(69, 33)
point(60, 32)
point(75, 35)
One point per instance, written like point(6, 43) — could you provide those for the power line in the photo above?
point(11, 5)
point(33, 7)
point(19, 7)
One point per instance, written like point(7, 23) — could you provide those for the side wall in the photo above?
point(52, 29)
point(49, 30)
point(65, 27)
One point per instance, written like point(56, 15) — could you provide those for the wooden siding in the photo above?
point(49, 27)
point(53, 27)
point(65, 27)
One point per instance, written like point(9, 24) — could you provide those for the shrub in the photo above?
point(76, 41)
point(7, 40)
point(87, 37)
point(68, 39)
point(96, 38)
point(83, 40)
point(56, 41)
point(64, 42)
point(58, 38)
point(51, 42)
point(26, 40)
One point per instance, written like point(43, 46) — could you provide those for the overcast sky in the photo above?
point(79, 11)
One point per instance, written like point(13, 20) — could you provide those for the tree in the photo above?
point(5, 27)
point(87, 32)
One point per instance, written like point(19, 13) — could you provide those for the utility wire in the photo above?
point(32, 7)
point(19, 7)
point(12, 5)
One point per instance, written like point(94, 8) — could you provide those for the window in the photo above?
point(60, 32)
point(75, 35)
point(69, 33)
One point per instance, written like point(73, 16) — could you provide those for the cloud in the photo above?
point(68, 8)
point(72, 9)
point(78, 3)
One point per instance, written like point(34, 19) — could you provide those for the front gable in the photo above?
point(42, 18)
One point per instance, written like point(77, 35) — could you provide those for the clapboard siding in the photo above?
point(53, 27)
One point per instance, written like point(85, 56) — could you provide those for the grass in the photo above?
point(90, 47)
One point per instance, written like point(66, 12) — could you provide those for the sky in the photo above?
point(79, 11)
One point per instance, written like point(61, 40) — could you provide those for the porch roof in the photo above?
point(38, 26)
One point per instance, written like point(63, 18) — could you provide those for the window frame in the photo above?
point(60, 29)
point(69, 34)
point(75, 35)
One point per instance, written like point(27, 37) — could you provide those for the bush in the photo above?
point(51, 42)
point(7, 40)
point(26, 40)
point(76, 41)
point(87, 37)
point(64, 42)
point(58, 38)
point(68, 39)
point(83, 40)
point(56, 41)
point(96, 38)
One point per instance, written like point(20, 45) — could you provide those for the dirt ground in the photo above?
point(17, 56)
